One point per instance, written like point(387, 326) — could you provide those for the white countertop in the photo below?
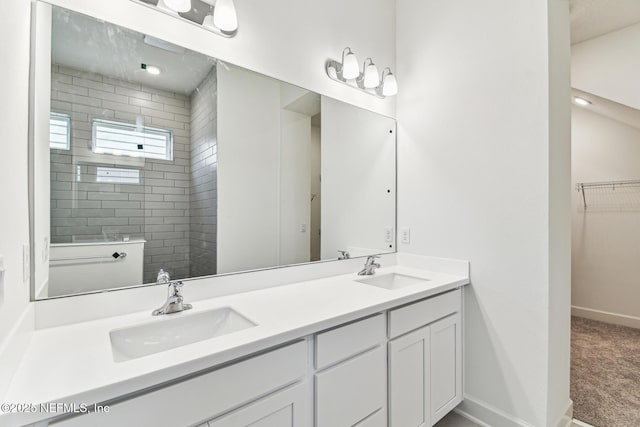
point(74, 363)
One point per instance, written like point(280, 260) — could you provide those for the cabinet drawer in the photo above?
point(352, 392)
point(201, 398)
point(346, 341)
point(286, 408)
point(413, 316)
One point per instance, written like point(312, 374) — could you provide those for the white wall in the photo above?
point(14, 216)
point(608, 66)
point(559, 216)
point(315, 189)
point(478, 178)
point(606, 237)
point(295, 187)
point(248, 170)
point(264, 151)
point(358, 180)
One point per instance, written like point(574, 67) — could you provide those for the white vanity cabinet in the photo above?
point(351, 381)
point(425, 364)
point(398, 368)
point(255, 388)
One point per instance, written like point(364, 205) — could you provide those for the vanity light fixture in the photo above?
point(221, 17)
point(350, 68)
point(225, 16)
point(176, 5)
point(370, 75)
point(389, 83)
point(348, 72)
point(581, 101)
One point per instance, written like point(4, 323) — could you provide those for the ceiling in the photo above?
point(593, 18)
point(613, 110)
point(87, 44)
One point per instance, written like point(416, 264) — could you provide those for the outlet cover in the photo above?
point(388, 234)
point(405, 235)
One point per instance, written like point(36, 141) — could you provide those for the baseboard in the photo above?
point(566, 418)
point(487, 415)
point(607, 317)
point(470, 417)
point(578, 423)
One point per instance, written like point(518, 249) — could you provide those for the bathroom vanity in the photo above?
point(343, 350)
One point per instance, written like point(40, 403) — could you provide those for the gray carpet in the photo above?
point(605, 373)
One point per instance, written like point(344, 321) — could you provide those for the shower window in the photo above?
point(59, 131)
point(117, 175)
point(124, 139)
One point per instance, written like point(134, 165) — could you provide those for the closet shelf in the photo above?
point(604, 185)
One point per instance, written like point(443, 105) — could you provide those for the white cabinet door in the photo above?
point(353, 393)
point(409, 379)
point(446, 366)
point(286, 408)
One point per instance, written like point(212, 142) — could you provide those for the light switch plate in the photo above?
point(405, 235)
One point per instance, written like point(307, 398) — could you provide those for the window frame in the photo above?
point(67, 119)
point(102, 172)
point(95, 123)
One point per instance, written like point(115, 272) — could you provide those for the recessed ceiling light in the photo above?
point(151, 69)
point(581, 101)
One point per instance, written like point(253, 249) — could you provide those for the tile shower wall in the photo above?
point(158, 208)
point(204, 167)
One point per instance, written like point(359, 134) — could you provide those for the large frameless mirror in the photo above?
point(147, 156)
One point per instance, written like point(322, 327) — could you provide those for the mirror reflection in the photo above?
point(149, 156)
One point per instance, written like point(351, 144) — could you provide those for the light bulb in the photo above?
point(581, 101)
point(389, 85)
point(371, 76)
point(225, 16)
point(178, 5)
point(350, 67)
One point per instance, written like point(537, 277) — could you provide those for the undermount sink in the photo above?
point(172, 332)
point(392, 280)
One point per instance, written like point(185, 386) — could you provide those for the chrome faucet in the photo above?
point(369, 266)
point(174, 302)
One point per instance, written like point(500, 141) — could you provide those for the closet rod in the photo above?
point(581, 186)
